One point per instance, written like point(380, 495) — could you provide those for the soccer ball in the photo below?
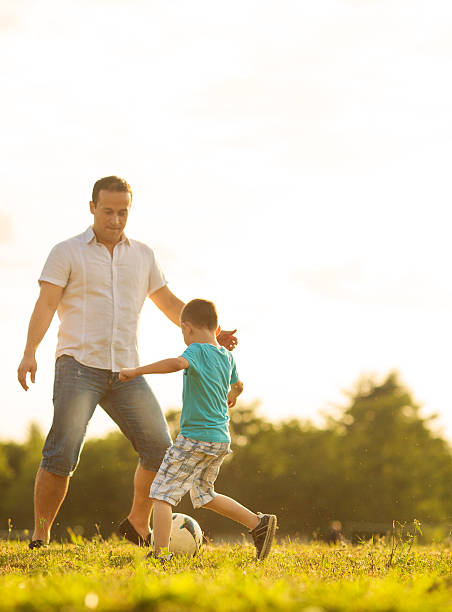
point(186, 535)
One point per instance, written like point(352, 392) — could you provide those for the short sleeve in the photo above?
point(57, 268)
point(157, 279)
point(234, 373)
point(191, 354)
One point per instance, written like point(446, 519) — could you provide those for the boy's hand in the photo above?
point(127, 374)
point(235, 390)
point(232, 399)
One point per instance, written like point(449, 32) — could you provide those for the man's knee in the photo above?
point(46, 474)
point(152, 457)
point(62, 461)
point(58, 467)
point(61, 452)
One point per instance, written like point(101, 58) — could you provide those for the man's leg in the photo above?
point(140, 513)
point(77, 391)
point(226, 506)
point(50, 491)
point(134, 408)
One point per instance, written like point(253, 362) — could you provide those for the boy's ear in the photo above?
point(185, 325)
point(218, 330)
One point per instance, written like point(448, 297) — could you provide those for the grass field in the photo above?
point(113, 575)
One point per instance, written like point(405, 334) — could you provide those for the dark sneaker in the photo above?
point(162, 559)
point(263, 534)
point(37, 544)
point(128, 531)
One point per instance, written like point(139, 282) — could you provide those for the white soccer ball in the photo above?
point(186, 535)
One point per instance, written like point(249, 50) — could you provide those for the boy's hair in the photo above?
point(201, 313)
point(110, 183)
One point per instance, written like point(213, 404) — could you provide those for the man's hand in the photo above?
point(127, 374)
point(28, 364)
point(227, 339)
point(49, 298)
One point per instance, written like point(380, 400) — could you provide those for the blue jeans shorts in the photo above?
point(189, 465)
point(78, 389)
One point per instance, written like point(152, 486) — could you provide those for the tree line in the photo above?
point(377, 461)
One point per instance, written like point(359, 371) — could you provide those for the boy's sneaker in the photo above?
point(263, 534)
point(162, 559)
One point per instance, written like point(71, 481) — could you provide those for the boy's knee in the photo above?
point(163, 502)
point(202, 499)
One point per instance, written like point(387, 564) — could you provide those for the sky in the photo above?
point(290, 160)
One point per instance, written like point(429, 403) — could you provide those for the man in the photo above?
point(98, 281)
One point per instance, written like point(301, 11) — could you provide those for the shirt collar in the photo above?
point(89, 236)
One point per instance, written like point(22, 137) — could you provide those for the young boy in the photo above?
point(211, 385)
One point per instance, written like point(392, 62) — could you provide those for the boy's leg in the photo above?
point(226, 506)
point(173, 480)
point(262, 526)
point(163, 518)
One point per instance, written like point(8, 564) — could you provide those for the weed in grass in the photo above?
point(402, 540)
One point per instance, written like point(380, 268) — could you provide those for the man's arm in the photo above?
point(172, 307)
point(235, 391)
point(168, 303)
point(42, 316)
point(165, 366)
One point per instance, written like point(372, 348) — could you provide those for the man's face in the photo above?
point(110, 215)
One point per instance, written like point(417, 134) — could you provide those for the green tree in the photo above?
point(6, 477)
point(378, 461)
point(391, 463)
point(23, 461)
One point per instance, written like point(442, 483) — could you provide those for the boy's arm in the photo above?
point(235, 391)
point(165, 366)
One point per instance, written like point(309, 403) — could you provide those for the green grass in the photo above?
point(113, 575)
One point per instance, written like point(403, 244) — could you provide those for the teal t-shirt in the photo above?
point(207, 380)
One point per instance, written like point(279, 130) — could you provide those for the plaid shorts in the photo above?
point(189, 465)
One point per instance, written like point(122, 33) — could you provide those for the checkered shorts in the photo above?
point(189, 465)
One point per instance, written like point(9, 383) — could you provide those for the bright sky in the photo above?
point(290, 160)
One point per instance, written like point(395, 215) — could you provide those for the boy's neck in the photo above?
point(204, 336)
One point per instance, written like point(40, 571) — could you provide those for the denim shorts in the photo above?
point(78, 389)
point(189, 465)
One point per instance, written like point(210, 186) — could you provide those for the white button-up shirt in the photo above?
point(102, 299)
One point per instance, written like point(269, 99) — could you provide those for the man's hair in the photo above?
point(201, 313)
point(110, 183)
